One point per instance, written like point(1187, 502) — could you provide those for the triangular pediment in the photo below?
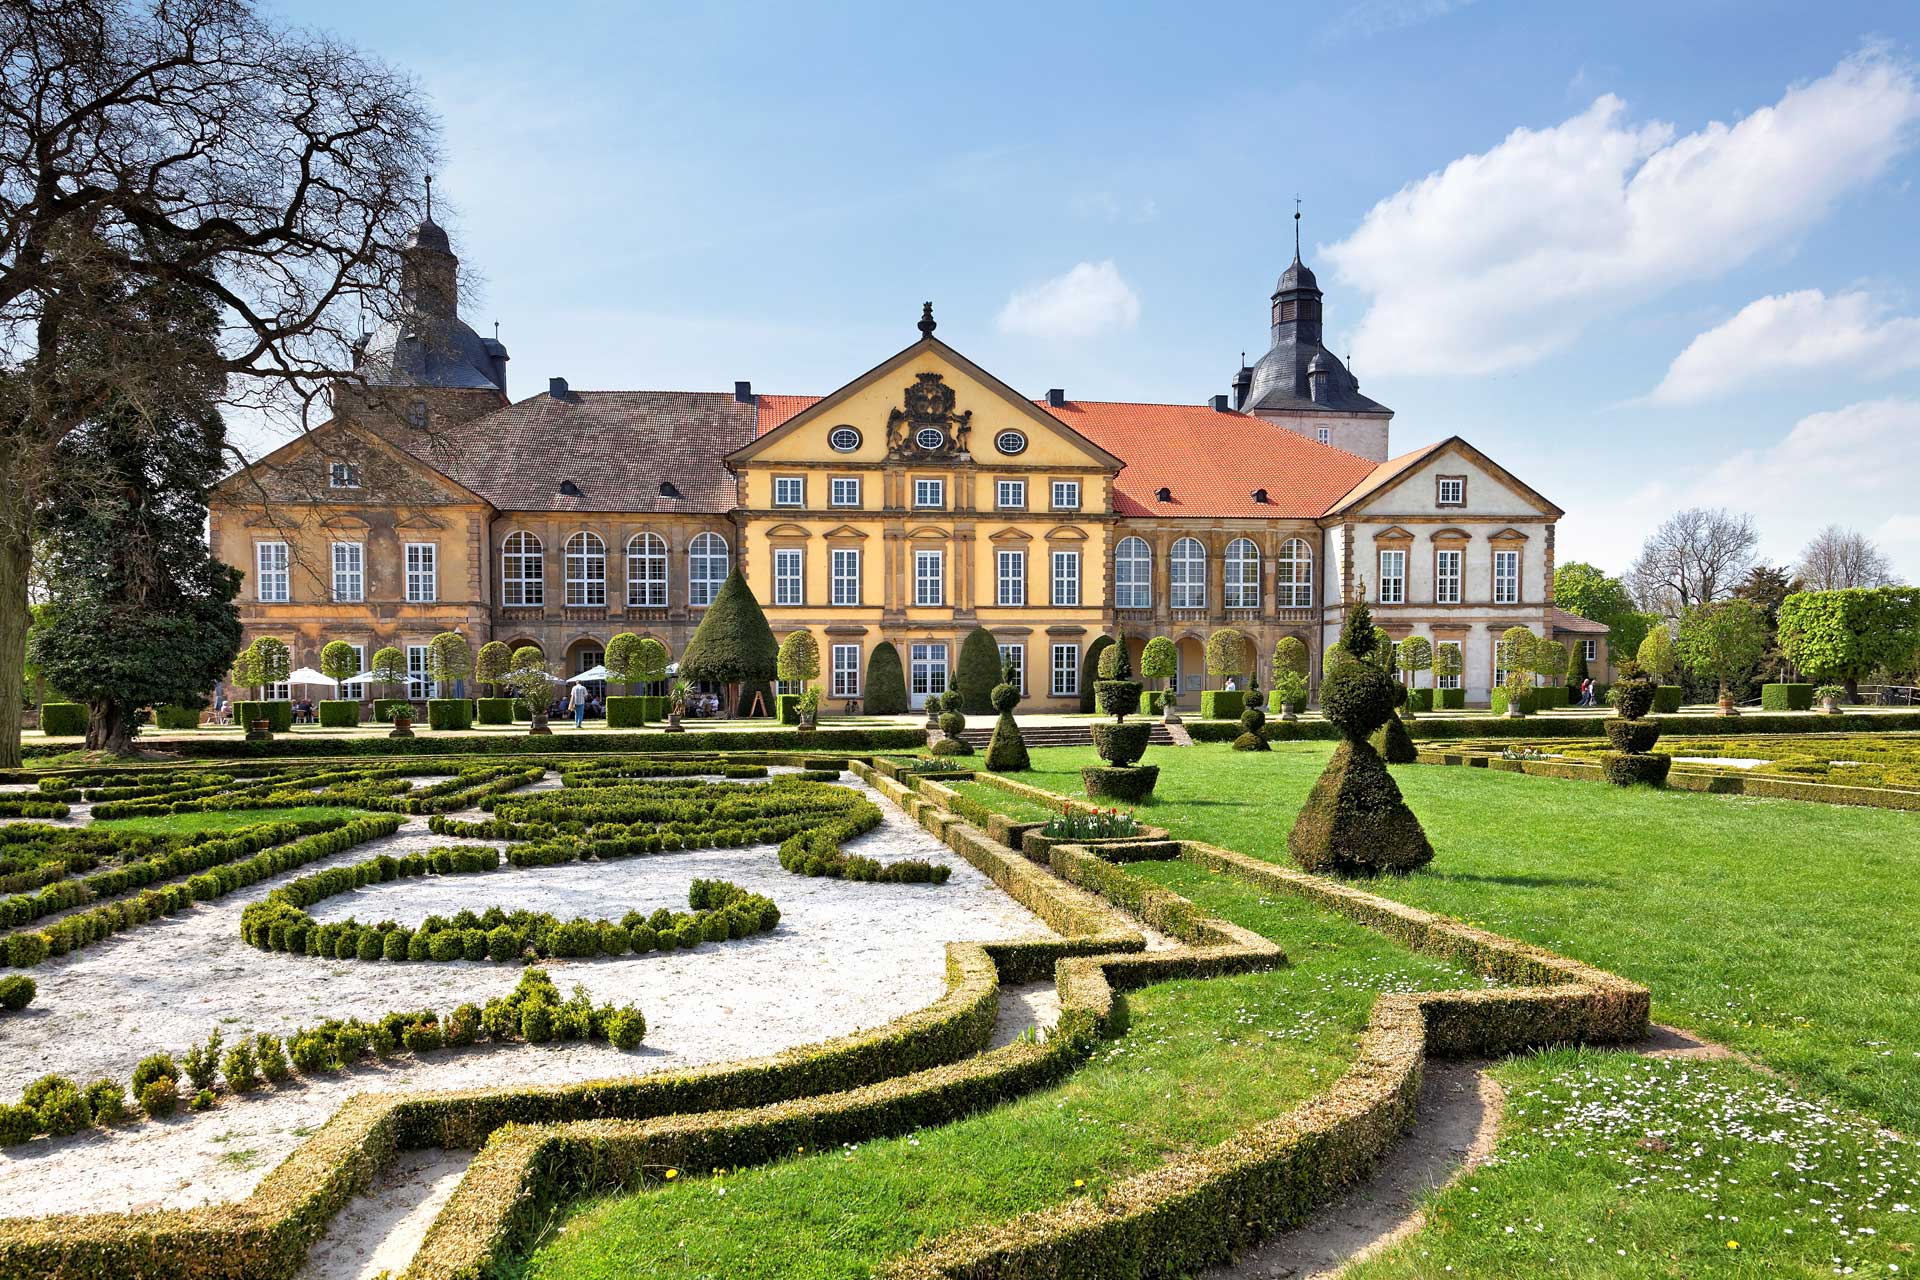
point(845, 531)
point(301, 472)
point(1407, 485)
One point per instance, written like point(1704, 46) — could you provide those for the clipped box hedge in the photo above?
point(593, 742)
point(1786, 697)
point(63, 719)
point(1666, 699)
point(339, 713)
point(1222, 704)
point(450, 713)
point(500, 710)
point(176, 717)
point(1417, 699)
point(1549, 696)
point(383, 708)
point(786, 708)
point(278, 714)
point(634, 712)
point(1503, 697)
point(1450, 700)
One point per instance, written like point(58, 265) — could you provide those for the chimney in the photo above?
point(743, 393)
point(557, 388)
point(1056, 397)
point(1242, 383)
point(1220, 404)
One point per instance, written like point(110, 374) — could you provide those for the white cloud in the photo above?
point(1091, 299)
point(1791, 335)
point(1505, 256)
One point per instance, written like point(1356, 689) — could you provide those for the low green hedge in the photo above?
point(634, 712)
point(175, 717)
point(1503, 697)
point(278, 714)
point(1666, 699)
point(1553, 695)
point(500, 710)
point(450, 713)
point(63, 719)
point(786, 708)
point(1420, 700)
point(1786, 697)
point(1450, 700)
point(849, 740)
point(339, 713)
point(1222, 704)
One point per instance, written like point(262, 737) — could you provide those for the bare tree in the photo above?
point(1839, 558)
point(1695, 557)
point(180, 144)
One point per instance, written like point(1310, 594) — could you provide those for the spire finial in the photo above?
point(927, 325)
point(1296, 228)
point(430, 198)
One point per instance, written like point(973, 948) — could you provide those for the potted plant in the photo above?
point(677, 705)
point(1829, 696)
point(402, 718)
point(810, 709)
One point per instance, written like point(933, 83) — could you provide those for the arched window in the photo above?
point(1293, 577)
point(706, 569)
point(646, 571)
point(1187, 575)
point(523, 583)
point(1243, 574)
point(1133, 574)
point(586, 571)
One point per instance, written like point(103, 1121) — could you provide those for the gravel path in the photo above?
point(845, 956)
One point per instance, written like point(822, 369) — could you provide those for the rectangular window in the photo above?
point(1066, 495)
point(1590, 650)
point(926, 672)
point(789, 576)
point(1452, 491)
point(1010, 495)
point(789, 491)
point(1015, 655)
point(1506, 577)
point(418, 686)
point(1393, 577)
point(1453, 681)
point(929, 577)
point(1323, 434)
point(1066, 671)
point(1066, 578)
point(1010, 573)
point(349, 572)
point(846, 575)
point(423, 572)
point(930, 493)
point(270, 572)
point(343, 475)
point(844, 491)
point(1446, 577)
point(846, 670)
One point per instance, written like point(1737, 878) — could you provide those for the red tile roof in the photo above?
point(774, 410)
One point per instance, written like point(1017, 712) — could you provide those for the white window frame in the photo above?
point(929, 588)
point(1187, 574)
point(1323, 435)
point(1456, 485)
point(1448, 575)
point(1133, 574)
point(1066, 674)
point(422, 560)
point(845, 563)
point(1010, 577)
point(1450, 682)
point(343, 475)
point(1392, 587)
point(706, 552)
point(843, 491)
point(1010, 495)
point(418, 685)
point(1241, 585)
point(1016, 653)
point(1293, 575)
point(349, 572)
point(1066, 495)
point(646, 571)
point(789, 576)
point(272, 576)
point(1590, 650)
point(789, 491)
point(585, 559)
point(844, 663)
point(925, 660)
point(1066, 579)
point(523, 572)
point(1506, 586)
point(359, 657)
point(930, 494)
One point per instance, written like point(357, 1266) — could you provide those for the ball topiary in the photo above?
point(1252, 721)
point(1357, 697)
point(1007, 750)
point(63, 1111)
point(1633, 737)
point(16, 992)
point(1355, 820)
point(626, 1028)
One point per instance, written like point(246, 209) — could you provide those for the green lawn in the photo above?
point(178, 824)
point(1201, 1060)
point(1014, 806)
point(1787, 929)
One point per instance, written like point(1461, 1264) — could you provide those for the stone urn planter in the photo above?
point(1727, 707)
point(1829, 696)
point(673, 723)
point(402, 727)
point(260, 731)
point(808, 722)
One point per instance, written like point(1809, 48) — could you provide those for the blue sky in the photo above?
point(1100, 197)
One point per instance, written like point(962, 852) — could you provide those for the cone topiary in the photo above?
point(1355, 821)
point(1007, 750)
point(1392, 742)
point(886, 682)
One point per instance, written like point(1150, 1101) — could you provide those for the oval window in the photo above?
point(930, 438)
point(843, 439)
point(1010, 442)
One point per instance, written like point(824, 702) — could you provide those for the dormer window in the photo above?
point(668, 489)
point(569, 488)
point(1163, 494)
point(343, 475)
point(1260, 496)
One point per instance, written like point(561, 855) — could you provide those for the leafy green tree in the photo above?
point(886, 682)
point(1722, 641)
point(618, 659)
point(650, 661)
point(1227, 653)
point(1583, 589)
point(1416, 655)
point(1447, 665)
point(338, 661)
point(1657, 655)
point(1848, 634)
point(799, 659)
point(733, 643)
point(245, 671)
point(273, 661)
point(533, 683)
point(449, 660)
point(389, 668)
point(491, 667)
point(978, 672)
point(1549, 659)
point(1160, 660)
point(1516, 657)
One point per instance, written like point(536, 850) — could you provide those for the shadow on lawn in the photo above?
point(1519, 882)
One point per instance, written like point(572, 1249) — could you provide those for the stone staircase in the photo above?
point(1069, 735)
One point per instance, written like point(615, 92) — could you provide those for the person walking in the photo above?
point(577, 700)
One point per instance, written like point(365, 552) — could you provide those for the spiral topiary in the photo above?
point(1631, 734)
point(1252, 721)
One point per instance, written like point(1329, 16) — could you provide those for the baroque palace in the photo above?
point(920, 500)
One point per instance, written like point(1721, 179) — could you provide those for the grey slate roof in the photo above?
point(409, 354)
point(1280, 379)
point(616, 446)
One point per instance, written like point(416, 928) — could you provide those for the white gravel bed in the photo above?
point(845, 956)
point(1731, 762)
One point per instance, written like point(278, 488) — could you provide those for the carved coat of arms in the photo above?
point(929, 406)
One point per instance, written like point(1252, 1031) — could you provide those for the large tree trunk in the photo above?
point(110, 728)
point(16, 557)
point(1853, 688)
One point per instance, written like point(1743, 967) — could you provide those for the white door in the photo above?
point(927, 674)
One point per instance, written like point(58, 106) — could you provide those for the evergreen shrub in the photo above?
point(278, 714)
point(500, 711)
point(449, 713)
point(172, 716)
point(63, 719)
point(1786, 697)
point(1222, 704)
point(339, 713)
